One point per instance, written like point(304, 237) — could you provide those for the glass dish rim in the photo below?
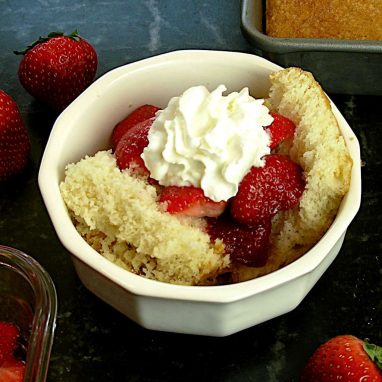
point(45, 311)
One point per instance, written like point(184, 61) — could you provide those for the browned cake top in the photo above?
point(340, 19)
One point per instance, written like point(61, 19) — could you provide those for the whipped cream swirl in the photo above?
point(208, 140)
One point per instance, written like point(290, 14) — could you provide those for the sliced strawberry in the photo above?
point(280, 129)
point(9, 333)
point(130, 147)
point(244, 243)
point(190, 201)
point(138, 115)
point(12, 370)
point(264, 191)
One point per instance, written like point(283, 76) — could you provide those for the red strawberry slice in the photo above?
point(344, 358)
point(138, 115)
point(280, 129)
point(11, 369)
point(264, 191)
point(9, 333)
point(244, 243)
point(130, 147)
point(190, 201)
point(14, 140)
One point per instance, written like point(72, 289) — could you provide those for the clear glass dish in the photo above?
point(28, 299)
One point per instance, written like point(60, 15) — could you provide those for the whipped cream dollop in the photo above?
point(208, 140)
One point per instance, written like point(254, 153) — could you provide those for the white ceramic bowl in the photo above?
point(85, 127)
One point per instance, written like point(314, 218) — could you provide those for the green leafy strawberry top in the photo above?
point(374, 352)
point(74, 35)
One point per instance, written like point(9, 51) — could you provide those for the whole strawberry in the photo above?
point(14, 140)
point(58, 68)
point(344, 358)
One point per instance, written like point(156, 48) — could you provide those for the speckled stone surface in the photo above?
point(93, 342)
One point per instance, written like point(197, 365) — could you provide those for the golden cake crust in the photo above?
point(334, 19)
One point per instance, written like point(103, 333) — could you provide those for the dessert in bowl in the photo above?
point(82, 134)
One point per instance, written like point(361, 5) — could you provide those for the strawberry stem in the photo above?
point(374, 352)
point(74, 35)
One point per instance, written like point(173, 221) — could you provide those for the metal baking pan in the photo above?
point(341, 66)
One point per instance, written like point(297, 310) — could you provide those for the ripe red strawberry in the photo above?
point(344, 358)
point(246, 244)
point(11, 369)
point(280, 129)
point(264, 191)
point(14, 140)
point(190, 201)
point(138, 115)
point(130, 147)
point(56, 69)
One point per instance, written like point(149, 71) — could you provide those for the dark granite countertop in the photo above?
point(93, 342)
